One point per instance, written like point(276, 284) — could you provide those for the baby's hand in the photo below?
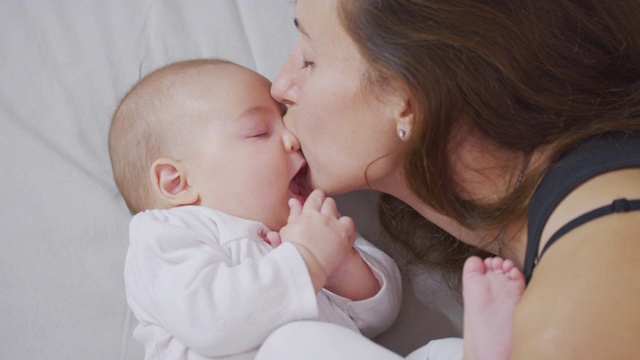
point(273, 239)
point(323, 237)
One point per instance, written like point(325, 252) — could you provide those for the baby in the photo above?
point(226, 244)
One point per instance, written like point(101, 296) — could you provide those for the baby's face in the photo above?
point(241, 159)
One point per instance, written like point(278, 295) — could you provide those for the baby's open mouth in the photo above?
point(297, 185)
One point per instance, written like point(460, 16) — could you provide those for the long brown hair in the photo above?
point(524, 75)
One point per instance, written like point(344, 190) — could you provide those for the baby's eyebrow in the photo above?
point(254, 110)
point(258, 114)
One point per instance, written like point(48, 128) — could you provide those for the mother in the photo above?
point(500, 122)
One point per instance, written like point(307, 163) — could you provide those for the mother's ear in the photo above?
point(399, 103)
point(169, 181)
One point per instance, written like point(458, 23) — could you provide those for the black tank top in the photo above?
point(598, 155)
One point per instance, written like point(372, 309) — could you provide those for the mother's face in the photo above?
point(341, 125)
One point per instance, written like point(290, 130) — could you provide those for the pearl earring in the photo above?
point(401, 134)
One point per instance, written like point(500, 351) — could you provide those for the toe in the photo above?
point(515, 274)
point(496, 264)
point(474, 265)
point(507, 265)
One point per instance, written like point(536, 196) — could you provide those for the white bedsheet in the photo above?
point(64, 65)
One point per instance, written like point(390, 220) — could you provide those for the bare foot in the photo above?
point(491, 290)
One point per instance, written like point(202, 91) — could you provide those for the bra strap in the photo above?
point(617, 206)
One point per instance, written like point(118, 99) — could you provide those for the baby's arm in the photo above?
point(313, 226)
point(323, 237)
point(366, 284)
point(376, 313)
point(353, 279)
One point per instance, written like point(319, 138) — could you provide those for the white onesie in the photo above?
point(204, 284)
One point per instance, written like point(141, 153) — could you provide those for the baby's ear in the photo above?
point(169, 181)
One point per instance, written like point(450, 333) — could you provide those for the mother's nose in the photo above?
point(284, 88)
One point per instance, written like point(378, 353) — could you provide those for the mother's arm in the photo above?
point(584, 300)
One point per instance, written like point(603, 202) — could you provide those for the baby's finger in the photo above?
point(329, 208)
point(295, 208)
point(349, 226)
point(314, 201)
point(273, 238)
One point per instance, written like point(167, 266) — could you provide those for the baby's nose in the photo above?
point(290, 142)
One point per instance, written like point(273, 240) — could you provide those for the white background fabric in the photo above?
point(64, 65)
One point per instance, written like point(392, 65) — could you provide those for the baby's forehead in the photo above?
point(224, 78)
point(213, 92)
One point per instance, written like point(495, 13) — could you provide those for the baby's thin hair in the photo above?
point(135, 136)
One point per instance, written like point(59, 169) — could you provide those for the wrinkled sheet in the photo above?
point(64, 65)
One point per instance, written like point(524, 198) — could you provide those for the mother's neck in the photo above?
point(471, 237)
point(514, 235)
point(485, 173)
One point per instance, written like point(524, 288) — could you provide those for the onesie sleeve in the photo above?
point(376, 314)
point(186, 283)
